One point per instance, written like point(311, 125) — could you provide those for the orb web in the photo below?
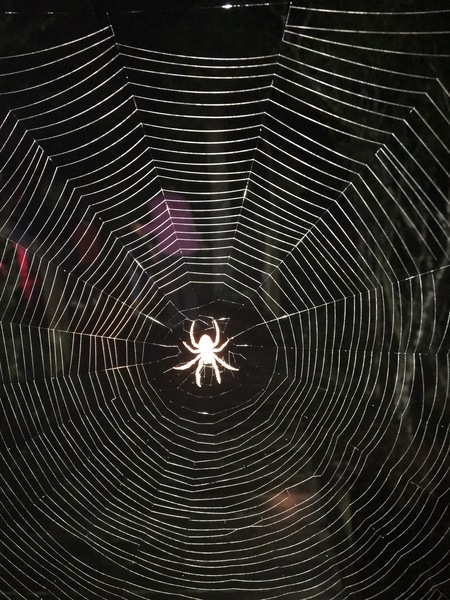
point(289, 183)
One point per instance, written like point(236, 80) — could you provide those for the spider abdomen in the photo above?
point(206, 346)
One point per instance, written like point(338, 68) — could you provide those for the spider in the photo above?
point(207, 354)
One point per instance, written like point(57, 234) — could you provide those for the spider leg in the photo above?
point(220, 348)
point(216, 368)
point(216, 341)
point(193, 350)
point(191, 335)
point(226, 365)
point(188, 364)
point(198, 370)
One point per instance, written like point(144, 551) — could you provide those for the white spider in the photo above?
point(207, 354)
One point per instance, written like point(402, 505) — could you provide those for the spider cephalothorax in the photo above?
point(207, 354)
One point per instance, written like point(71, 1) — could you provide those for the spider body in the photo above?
point(207, 351)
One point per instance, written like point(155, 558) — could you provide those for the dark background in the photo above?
point(320, 469)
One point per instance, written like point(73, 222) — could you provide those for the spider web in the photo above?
point(288, 180)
